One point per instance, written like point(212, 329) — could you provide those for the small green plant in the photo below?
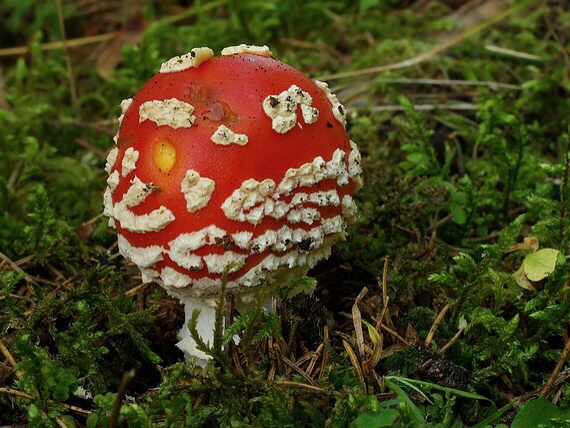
point(496, 339)
point(541, 413)
point(41, 15)
point(45, 235)
point(463, 127)
point(47, 381)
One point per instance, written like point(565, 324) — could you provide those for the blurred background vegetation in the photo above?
point(448, 304)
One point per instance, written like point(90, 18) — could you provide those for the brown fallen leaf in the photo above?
point(111, 54)
point(472, 13)
point(529, 243)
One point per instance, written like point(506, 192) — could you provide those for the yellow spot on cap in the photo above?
point(164, 156)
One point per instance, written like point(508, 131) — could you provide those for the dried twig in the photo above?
point(292, 384)
point(295, 367)
point(452, 41)
point(357, 321)
point(556, 370)
point(314, 359)
point(127, 377)
point(423, 107)
point(199, 401)
point(20, 394)
point(385, 298)
point(16, 268)
point(131, 292)
point(435, 325)
point(325, 358)
point(83, 41)
point(449, 344)
point(449, 82)
point(6, 352)
point(515, 54)
point(15, 393)
point(22, 50)
point(393, 333)
point(354, 360)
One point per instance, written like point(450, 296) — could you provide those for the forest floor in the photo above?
point(446, 306)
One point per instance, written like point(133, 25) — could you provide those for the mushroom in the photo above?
point(235, 164)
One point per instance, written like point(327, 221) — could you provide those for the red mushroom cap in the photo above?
point(238, 161)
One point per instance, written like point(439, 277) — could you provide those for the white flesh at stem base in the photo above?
point(204, 326)
point(206, 323)
point(243, 302)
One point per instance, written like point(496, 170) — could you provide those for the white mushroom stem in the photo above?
point(244, 302)
point(206, 322)
point(204, 326)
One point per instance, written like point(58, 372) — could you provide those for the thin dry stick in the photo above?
point(272, 371)
point(307, 357)
point(556, 37)
point(325, 358)
point(73, 43)
point(9, 357)
point(436, 50)
point(131, 292)
point(65, 281)
point(122, 391)
point(289, 346)
point(435, 325)
point(199, 401)
point(299, 385)
point(296, 368)
point(382, 314)
point(236, 359)
point(557, 396)
point(315, 358)
point(60, 423)
point(516, 54)
point(229, 319)
point(357, 321)
point(273, 340)
point(354, 361)
point(17, 269)
point(556, 370)
point(380, 381)
point(393, 333)
point(423, 107)
point(451, 342)
point(22, 50)
point(70, 77)
point(25, 259)
point(385, 297)
point(449, 82)
point(7, 354)
point(15, 393)
point(14, 176)
point(20, 394)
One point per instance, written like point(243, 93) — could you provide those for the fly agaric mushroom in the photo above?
point(238, 163)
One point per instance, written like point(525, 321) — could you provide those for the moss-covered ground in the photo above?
point(447, 305)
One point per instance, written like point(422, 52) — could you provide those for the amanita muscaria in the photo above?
point(235, 162)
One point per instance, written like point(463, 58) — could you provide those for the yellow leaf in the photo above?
point(539, 265)
point(522, 280)
point(377, 341)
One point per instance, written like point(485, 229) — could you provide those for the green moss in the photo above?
point(465, 153)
